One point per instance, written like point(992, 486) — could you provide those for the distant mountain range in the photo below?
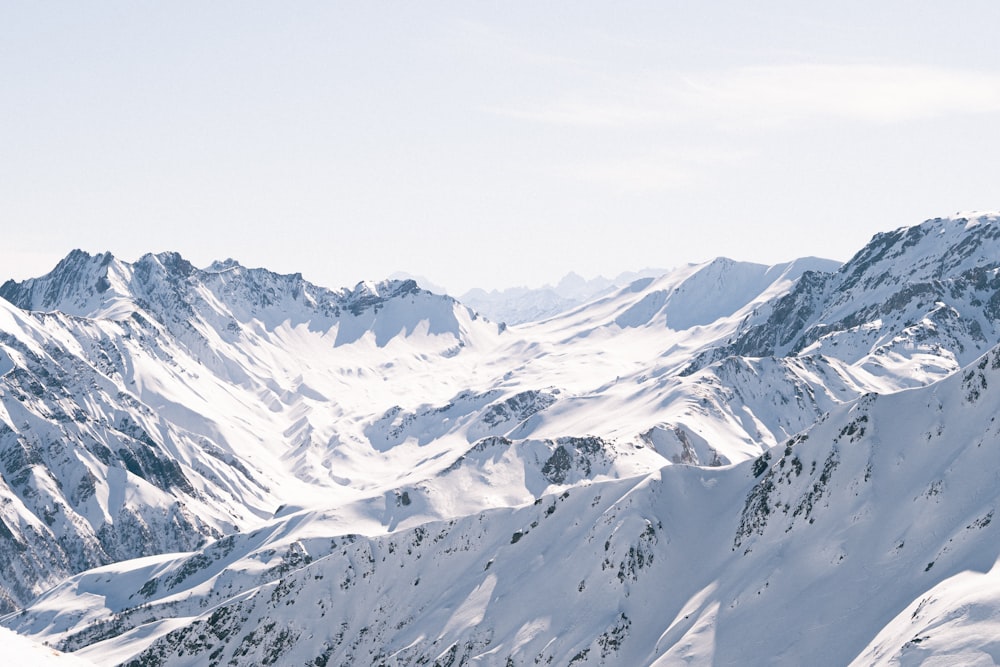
point(725, 463)
point(517, 305)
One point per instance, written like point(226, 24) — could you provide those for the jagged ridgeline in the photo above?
point(726, 464)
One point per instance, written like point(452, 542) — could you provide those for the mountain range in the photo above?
point(727, 463)
point(516, 305)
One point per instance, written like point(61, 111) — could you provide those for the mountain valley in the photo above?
point(726, 463)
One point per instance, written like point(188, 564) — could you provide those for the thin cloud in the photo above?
point(583, 113)
point(775, 95)
point(670, 171)
point(857, 92)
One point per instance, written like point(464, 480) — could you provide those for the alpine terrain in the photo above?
point(721, 464)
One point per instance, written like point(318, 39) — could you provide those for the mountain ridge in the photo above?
point(596, 539)
point(380, 475)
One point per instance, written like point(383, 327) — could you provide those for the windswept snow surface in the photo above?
point(22, 651)
point(718, 465)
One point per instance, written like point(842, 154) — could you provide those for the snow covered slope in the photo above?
point(176, 405)
point(518, 305)
point(913, 305)
point(869, 537)
point(381, 475)
point(21, 651)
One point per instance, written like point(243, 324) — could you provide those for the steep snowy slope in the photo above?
point(913, 305)
point(250, 434)
point(226, 297)
point(84, 481)
point(869, 537)
point(620, 356)
point(178, 405)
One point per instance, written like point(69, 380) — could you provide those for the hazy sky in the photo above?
point(488, 144)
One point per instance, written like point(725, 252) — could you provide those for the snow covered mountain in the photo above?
point(685, 564)
point(517, 305)
point(155, 405)
point(913, 305)
point(719, 465)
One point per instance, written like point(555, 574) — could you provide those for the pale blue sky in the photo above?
point(488, 144)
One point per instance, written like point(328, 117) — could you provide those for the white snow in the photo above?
point(383, 469)
point(19, 650)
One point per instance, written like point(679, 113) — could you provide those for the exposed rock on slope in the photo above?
point(727, 463)
point(686, 564)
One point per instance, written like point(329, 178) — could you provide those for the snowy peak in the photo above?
point(81, 284)
point(697, 295)
point(177, 403)
point(870, 511)
point(219, 265)
point(366, 294)
point(576, 491)
point(915, 303)
point(518, 305)
point(938, 248)
point(942, 249)
point(722, 287)
point(100, 286)
point(226, 296)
